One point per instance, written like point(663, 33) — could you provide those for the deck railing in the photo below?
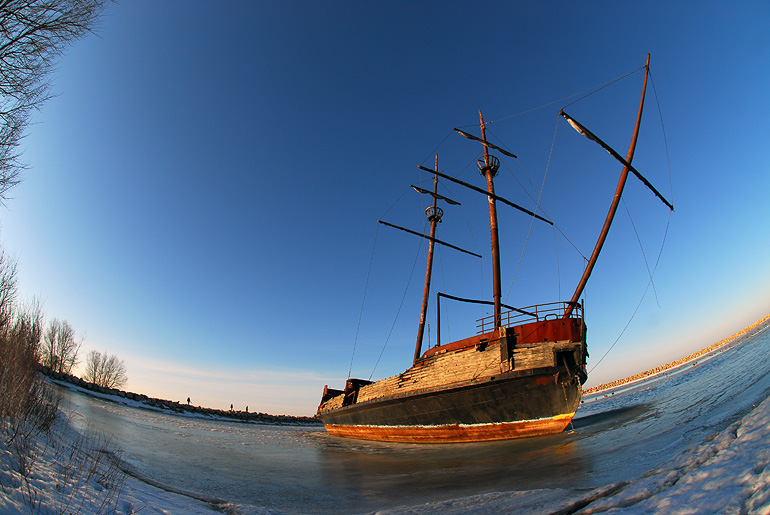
point(534, 313)
point(514, 316)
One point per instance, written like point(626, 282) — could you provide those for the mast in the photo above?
point(489, 169)
point(434, 214)
point(615, 201)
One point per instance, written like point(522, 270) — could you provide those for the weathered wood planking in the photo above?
point(444, 368)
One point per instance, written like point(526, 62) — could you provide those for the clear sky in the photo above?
point(203, 192)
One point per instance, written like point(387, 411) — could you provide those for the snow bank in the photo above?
point(65, 473)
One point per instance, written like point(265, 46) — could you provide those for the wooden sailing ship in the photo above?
point(522, 375)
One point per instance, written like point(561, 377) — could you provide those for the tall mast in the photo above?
point(489, 169)
point(615, 201)
point(434, 214)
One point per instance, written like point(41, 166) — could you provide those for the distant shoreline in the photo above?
point(143, 401)
point(264, 418)
point(657, 370)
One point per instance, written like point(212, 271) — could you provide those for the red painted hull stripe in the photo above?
point(454, 433)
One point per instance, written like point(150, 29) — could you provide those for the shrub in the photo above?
point(28, 404)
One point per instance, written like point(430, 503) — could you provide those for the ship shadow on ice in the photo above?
point(612, 417)
point(385, 473)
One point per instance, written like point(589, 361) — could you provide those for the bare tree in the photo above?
point(48, 351)
point(8, 289)
point(33, 33)
point(105, 370)
point(59, 350)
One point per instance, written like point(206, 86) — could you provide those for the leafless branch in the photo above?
point(33, 34)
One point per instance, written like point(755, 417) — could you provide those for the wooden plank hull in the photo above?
point(512, 405)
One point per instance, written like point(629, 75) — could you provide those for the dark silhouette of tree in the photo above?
point(59, 350)
point(33, 33)
point(105, 370)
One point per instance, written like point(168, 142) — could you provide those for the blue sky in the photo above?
point(203, 191)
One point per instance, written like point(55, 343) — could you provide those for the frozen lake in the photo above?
point(614, 437)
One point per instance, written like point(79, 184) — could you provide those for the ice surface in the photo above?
point(692, 441)
point(727, 473)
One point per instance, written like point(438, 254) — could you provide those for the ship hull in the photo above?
point(511, 405)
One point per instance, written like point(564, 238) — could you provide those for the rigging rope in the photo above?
point(406, 290)
point(443, 287)
point(541, 208)
point(435, 150)
point(361, 313)
point(641, 247)
point(366, 287)
point(592, 89)
point(537, 202)
point(529, 232)
point(406, 190)
point(537, 206)
point(640, 300)
point(665, 140)
point(529, 179)
point(558, 267)
point(665, 234)
point(602, 86)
